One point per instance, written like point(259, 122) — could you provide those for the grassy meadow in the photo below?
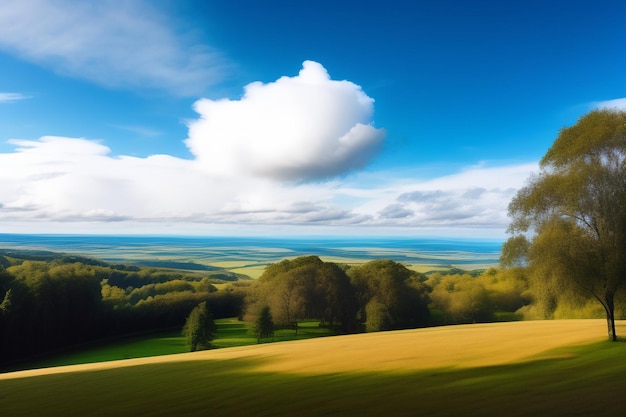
point(230, 333)
point(513, 369)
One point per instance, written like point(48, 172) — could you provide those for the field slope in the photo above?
point(520, 368)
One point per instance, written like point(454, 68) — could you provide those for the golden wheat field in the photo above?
point(474, 345)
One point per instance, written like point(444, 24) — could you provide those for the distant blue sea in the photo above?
point(466, 253)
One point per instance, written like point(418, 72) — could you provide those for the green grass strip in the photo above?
point(230, 333)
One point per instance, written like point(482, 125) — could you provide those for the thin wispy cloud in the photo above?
point(129, 44)
point(142, 131)
point(10, 97)
point(476, 197)
point(618, 103)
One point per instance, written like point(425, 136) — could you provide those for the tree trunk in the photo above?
point(610, 317)
point(611, 328)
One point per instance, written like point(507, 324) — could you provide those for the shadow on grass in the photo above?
point(586, 380)
point(230, 333)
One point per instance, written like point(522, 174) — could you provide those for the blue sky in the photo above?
point(416, 118)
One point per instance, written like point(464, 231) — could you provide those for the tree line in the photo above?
point(383, 295)
point(46, 305)
point(58, 302)
point(63, 301)
point(378, 295)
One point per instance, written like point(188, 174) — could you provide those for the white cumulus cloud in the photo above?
point(298, 128)
point(113, 43)
point(70, 181)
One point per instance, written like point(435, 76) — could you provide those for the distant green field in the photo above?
point(230, 332)
point(552, 369)
point(251, 255)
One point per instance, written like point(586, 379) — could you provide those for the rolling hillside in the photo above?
point(484, 369)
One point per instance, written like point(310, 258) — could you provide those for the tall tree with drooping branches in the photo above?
point(569, 222)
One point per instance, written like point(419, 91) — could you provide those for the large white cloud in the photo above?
point(114, 43)
point(73, 179)
point(77, 183)
point(296, 128)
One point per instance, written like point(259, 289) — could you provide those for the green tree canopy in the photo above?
point(199, 328)
point(389, 295)
point(569, 223)
point(263, 325)
point(304, 288)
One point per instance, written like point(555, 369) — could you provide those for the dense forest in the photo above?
point(49, 301)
